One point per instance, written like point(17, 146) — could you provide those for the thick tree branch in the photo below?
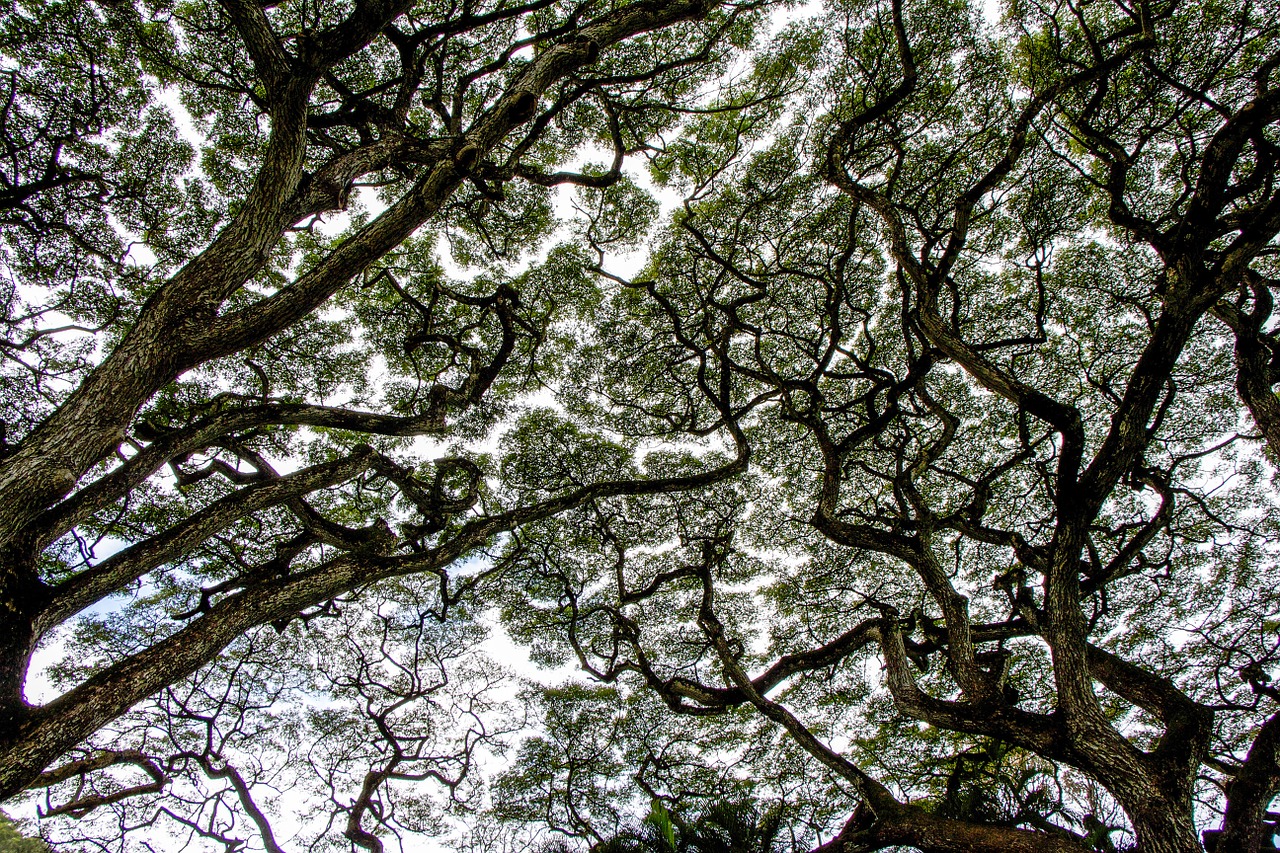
point(124, 567)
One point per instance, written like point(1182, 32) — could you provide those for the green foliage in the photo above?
point(894, 461)
point(12, 840)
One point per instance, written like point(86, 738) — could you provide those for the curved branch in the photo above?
point(113, 573)
point(80, 806)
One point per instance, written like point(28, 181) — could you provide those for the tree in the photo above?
point(990, 302)
point(726, 827)
point(938, 434)
point(211, 400)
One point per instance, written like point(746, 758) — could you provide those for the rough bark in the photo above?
point(181, 326)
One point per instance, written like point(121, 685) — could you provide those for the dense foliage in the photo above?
point(915, 490)
point(13, 841)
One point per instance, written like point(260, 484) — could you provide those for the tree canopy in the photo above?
point(915, 490)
